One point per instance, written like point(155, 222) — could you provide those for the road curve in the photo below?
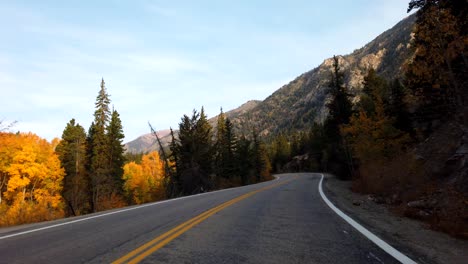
point(281, 221)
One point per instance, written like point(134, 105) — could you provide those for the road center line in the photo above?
point(152, 246)
point(379, 242)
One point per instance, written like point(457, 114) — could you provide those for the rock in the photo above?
point(422, 204)
point(356, 203)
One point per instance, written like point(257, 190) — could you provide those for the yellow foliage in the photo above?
point(144, 183)
point(373, 138)
point(30, 180)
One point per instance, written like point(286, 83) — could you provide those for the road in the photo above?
point(281, 221)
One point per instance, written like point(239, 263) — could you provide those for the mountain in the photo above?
point(302, 102)
point(147, 142)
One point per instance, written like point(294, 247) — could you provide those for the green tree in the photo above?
point(337, 154)
point(340, 106)
point(225, 147)
point(397, 107)
point(243, 156)
point(115, 137)
point(172, 180)
point(72, 154)
point(194, 154)
point(104, 188)
point(373, 86)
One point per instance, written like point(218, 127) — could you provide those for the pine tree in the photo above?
point(340, 107)
point(72, 154)
point(195, 155)
point(203, 133)
point(398, 108)
point(115, 138)
point(373, 86)
point(225, 146)
point(220, 146)
point(105, 189)
point(340, 110)
point(172, 181)
point(243, 157)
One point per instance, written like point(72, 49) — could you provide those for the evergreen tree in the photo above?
point(104, 188)
point(194, 154)
point(231, 169)
point(72, 154)
point(340, 107)
point(337, 155)
point(243, 156)
point(203, 133)
point(398, 108)
point(172, 180)
point(373, 86)
point(220, 145)
point(225, 147)
point(115, 138)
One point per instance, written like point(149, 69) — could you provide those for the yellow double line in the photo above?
point(150, 247)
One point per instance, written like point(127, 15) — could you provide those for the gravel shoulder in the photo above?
point(409, 236)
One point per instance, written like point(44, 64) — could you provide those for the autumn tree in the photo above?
point(260, 159)
point(437, 72)
point(281, 151)
point(372, 134)
point(72, 154)
point(144, 182)
point(34, 180)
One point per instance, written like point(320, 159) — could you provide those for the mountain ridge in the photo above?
point(301, 102)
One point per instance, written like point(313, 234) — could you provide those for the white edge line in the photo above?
point(379, 242)
point(119, 211)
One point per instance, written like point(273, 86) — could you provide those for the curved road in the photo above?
point(281, 221)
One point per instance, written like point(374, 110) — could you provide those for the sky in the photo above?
point(162, 59)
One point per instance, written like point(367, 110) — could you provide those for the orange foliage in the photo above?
point(30, 180)
point(144, 183)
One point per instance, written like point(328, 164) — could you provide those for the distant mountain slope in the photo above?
point(303, 101)
point(147, 142)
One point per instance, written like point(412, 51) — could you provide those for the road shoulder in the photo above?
point(409, 236)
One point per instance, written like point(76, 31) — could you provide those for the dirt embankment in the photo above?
point(413, 238)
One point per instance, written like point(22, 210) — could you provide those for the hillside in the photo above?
point(147, 142)
point(303, 100)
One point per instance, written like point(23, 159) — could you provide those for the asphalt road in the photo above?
point(281, 221)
